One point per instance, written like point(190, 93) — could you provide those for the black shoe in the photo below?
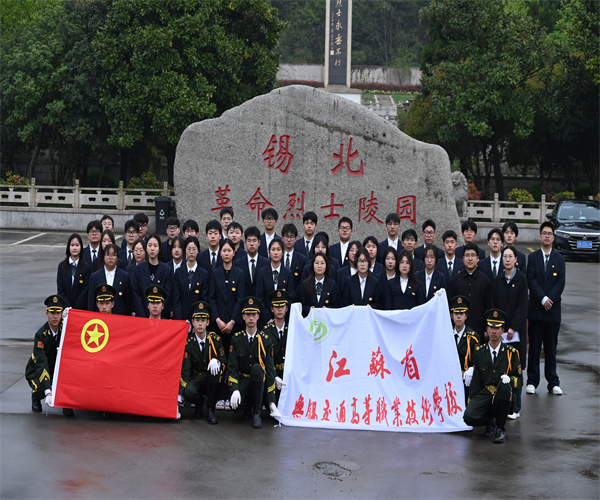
point(499, 436)
point(256, 420)
point(106, 415)
point(67, 412)
point(36, 405)
point(198, 412)
point(211, 417)
point(489, 430)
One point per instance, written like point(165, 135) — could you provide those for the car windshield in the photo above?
point(579, 211)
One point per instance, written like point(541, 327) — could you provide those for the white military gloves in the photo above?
point(235, 400)
point(505, 379)
point(49, 400)
point(279, 383)
point(274, 411)
point(213, 366)
point(65, 312)
point(468, 376)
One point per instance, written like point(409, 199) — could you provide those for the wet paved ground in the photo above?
point(552, 451)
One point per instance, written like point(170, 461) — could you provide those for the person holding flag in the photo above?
point(277, 332)
point(105, 298)
point(156, 296)
point(203, 363)
point(40, 367)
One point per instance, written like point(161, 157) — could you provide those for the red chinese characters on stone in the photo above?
point(450, 398)
point(311, 410)
point(332, 206)
point(355, 415)
point(222, 200)
point(351, 155)
point(340, 415)
point(298, 407)
point(341, 370)
point(410, 365)
point(295, 206)
point(377, 366)
point(258, 202)
point(381, 413)
point(396, 407)
point(405, 208)
point(437, 407)
point(426, 407)
point(282, 161)
point(367, 210)
point(411, 416)
point(367, 414)
point(326, 411)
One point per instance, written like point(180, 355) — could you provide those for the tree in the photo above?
point(164, 65)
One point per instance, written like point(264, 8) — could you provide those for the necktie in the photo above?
point(202, 346)
point(250, 339)
point(190, 276)
point(280, 334)
point(456, 338)
point(73, 270)
point(319, 288)
point(253, 269)
point(307, 247)
point(546, 261)
point(362, 287)
point(495, 270)
point(129, 257)
point(450, 268)
point(214, 260)
point(94, 256)
point(275, 278)
point(287, 261)
point(494, 358)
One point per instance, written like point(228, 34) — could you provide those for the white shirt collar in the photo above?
point(290, 253)
point(71, 261)
point(193, 269)
point(322, 281)
point(448, 260)
point(255, 258)
point(497, 350)
point(353, 271)
point(201, 340)
point(111, 273)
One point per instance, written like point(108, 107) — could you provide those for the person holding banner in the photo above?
point(430, 278)
point(318, 290)
point(495, 374)
point(277, 332)
point(404, 291)
point(40, 367)
point(247, 377)
point(203, 363)
point(466, 339)
point(362, 289)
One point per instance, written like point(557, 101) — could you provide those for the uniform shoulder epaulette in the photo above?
point(477, 347)
point(238, 334)
point(514, 349)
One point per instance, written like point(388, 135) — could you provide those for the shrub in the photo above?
point(145, 181)
point(565, 195)
point(474, 193)
point(520, 195)
point(100, 179)
point(597, 197)
point(14, 179)
point(582, 192)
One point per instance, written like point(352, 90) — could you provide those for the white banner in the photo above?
point(359, 368)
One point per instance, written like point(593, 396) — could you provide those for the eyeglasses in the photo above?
point(139, 250)
point(110, 256)
point(345, 228)
point(547, 234)
point(429, 233)
point(131, 233)
point(392, 223)
point(269, 219)
point(496, 240)
point(192, 249)
point(290, 236)
point(172, 228)
point(94, 231)
point(143, 225)
point(362, 261)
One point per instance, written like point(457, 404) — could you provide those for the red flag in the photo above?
point(119, 364)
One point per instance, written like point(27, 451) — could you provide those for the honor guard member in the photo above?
point(250, 365)
point(465, 338)
point(496, 373)
point(156, 296)
point(277, 332)
point(203, 363)
point(105, 298)
point(40, 367)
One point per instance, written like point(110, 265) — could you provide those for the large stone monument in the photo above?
point(300, 149)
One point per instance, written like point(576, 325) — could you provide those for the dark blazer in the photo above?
point(140, 280)
point(225, 298)
point(87, 256)
point(460, 250)
point(185, 295)
point(129, 269)
point(458, 267)
point(75, 294)
point(521, 264)
point(264, 286)
point(165, 251)
point(296, 266)
point(485, 266)
point(123, 255)
point(478, 289)
point(171, 265)
point(241, 254)
point(204, 261)
point(418, 265)
point(438, 281)
point(250, 285)
point(378, 270)
point(394, 298)
point(549, 283)
point(341, 276)
point(329, 297)
point(300, 246)
point(335, 251)
point(122, 286)
point(263, 248)
point(383, 246)
point(420, 249)
point(352, 295)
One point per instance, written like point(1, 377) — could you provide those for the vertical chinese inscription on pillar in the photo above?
point(338, 42)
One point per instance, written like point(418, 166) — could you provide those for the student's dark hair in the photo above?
point(65, 263)
point(157, 238)
point(450, 234)
point(235, 225)
point(311, 216)
point(132, 223)
point(110, 234)
point(353, 243)
point(510, 225)
point(141, 218)
point(289, 228)
point(497, 231)
point(190, 224)
point(191, 240)
point(512, 248)
point(324, 235)
point(389, 250)
point(110, 246)
point(179, 239)
point(468, 224)
point(371, 239)
point(365, 253)
point(276, 241)
point(226, 210)
point(431, 248)
point(548, 225)
point(309, 283)
point(173, 221)
point(102, 251)
point(143, 243)
point(214, 224)
point(345, 219)
point(320, 238)
point(227, 241)
point(393, 217)
point(411, 271)
point(94, 224)
point(269, 211)
point(427, 223)
point(251, 231)
point(470, 246)
point(108, 217)
point(410, 232)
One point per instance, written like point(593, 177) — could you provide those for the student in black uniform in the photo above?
point(141, 219)
point(226, 217)
point(173, 229)
point(254, 261)
point(177, 253)
point(409, 242)
point(235, 232)
point(272, 277)
point(319, 289)
point(190, 283)
point(339, 250)
point(269, 217)
point(390, 263)
point(469, 231)
point(107, 223)
point(345, 272)
point(392, 226)
point(294, 261)
point(450, 265)
point(404, 291)
point(106, 239)
point(430, 278)
point(90, 253)
point(139, 255)
point(132, 234)
point(492, 265)
point(73, 277)
point(510, 230)
point(210, 259)
point(362, 289)
point(190, 228)
point(428, 239)
point(111, 274)
point(372, 246)
point(320, 243)
point(309, 224)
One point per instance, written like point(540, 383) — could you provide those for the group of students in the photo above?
point(396, 273)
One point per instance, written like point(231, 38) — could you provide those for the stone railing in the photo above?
point(76, 197)
point(502, 211)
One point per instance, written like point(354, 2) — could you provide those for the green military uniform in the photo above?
point(279, 344)
point(469, 340)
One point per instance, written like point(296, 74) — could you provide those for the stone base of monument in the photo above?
point(349, 93)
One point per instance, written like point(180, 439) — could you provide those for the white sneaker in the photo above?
point(556, 390)
point(220, 404)
point(227, 407)
point(530, 389)
point(514, 416)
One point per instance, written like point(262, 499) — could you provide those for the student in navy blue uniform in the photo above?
point(339, 250)
point(90, 253)
point(362, 288)
point(469, 231)
point(510, 232)
point(132, 234)
point(142, 219)
point(235, 233)
point(139, 255)
point(226, 291)
point(269, 217)
point(344, 272)
point(177, 253)
point(151, 272)
point(73, 277)
point(404, 291)
point(392, 226)
point(372, 246)
point(320, 244)
point(450, 265)
point(173, 229)
point(226, 218)
point(428, 239)
point(190, 283)
point(309, 224)
point(107, 223)
point(106, 239)
point(409, 242)
point(546, 281)
point(190, 228)
point(319, 289)
point(492, 265)
point(111, 274)
point(253, 262)
point(274, 276)
point(431, 279)
point(210, 258)
point(294, 261)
